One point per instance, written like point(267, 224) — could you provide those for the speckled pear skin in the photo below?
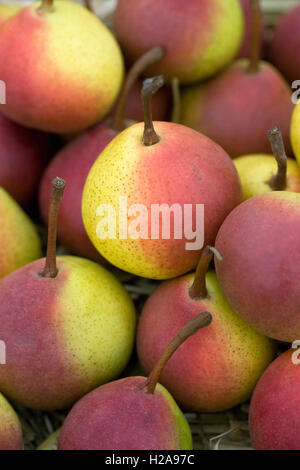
point(19, 240)
point(184, 167)
point(274, 409)
point(73, 164)
point(199, 39)
point(295, 132)
point(105, 419)
point(64, 336)
point(10, 427)
point(220, 365)
point(6, 11)
point(255, 171)
point(77, 76)
point(217, 108)
point(259, 273)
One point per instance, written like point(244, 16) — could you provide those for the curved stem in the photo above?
point(153, 55)
point(176, 100)
point(150, 86)
point(198, 290)
point(47, 5)
point(200, 321)
point(58, 187)
point(279, 181)
point(256, 31)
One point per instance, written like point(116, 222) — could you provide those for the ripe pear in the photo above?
point(226, 108)
point(169, 165)
point(275, 406)
point(23, 157)
point(263, 173)
point(10, 427)
point(67, 323)
point(19, 240)
point(74, 162)
point(228, 357)
point(286, 41)
point(8, 10)
point(295, 132)
point(200, 38)
point(260, 245)
point(77, 76)
point(134, 413)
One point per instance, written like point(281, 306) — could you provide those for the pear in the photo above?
point(226, 108)
point(24, 154)
point(285, 42)
point(295, 132)
point(168, 165)
point(78, 74)
point(74, 162)
point(134, 413)
point(10, 427)
point(275, 406)
point(228, 357)
point(67, 323)
point(263, 173)
point(19, 240)
point(260, 245)
point(200, 38)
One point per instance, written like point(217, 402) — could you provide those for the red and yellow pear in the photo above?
point(70, 67)
point(68, 325)
point(220, 365)
point(10, 427)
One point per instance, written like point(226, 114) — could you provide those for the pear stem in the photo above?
point(153, 55)
point(176, 100)
point(150, 86)
point(47, 5)
point(200, 321)
point(58, 187)
point(88, 5)
point(198, 290)
point(256, 31)
point(279, 181)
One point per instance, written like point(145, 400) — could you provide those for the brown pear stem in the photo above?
point(255, 41)
point(58, 187)
point(279, 181)
point(47, 5)
point(200, 321)
point(88, 5)
point(150, 86)
point(176, 100)
point(153, 55)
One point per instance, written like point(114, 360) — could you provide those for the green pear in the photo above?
point(10, 427)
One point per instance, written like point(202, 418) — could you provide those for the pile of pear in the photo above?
point(82, 127)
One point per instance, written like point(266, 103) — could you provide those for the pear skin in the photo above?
point(10, 427)
point(260, 245)
point(19, 240)
point(70, 67)
point(199, 39)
